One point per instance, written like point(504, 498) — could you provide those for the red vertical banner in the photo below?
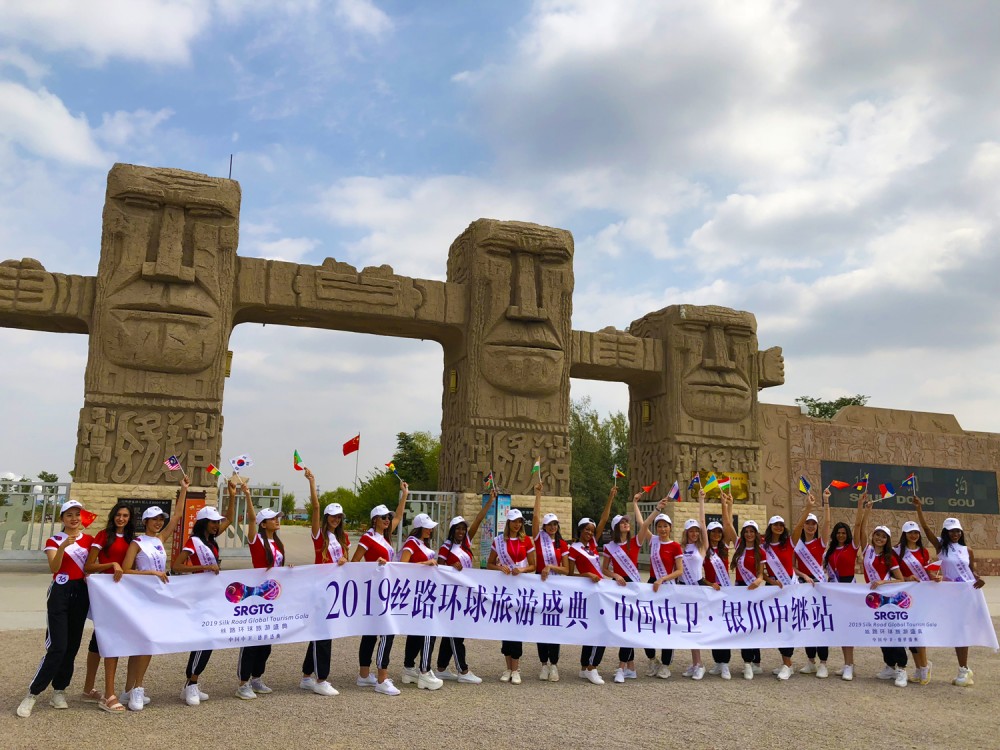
point(184, 524)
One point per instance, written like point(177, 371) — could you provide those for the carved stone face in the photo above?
point(165, 280)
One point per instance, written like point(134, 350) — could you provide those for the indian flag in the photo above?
point(537, 468)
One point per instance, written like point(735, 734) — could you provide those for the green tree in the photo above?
point(597, 445)
point(409, 459)
point(379, 487)
point(288, 503)
point(354, 512)
point(827, 409)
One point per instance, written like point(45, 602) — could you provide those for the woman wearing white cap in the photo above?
point(621, 562)
point(416, 551)
point(585, 561)
point(147, 556)
point(550, 557)
point(781, 570)
point(330, 543)
point(66, 605)
point(374, 546)
point(695, 545)
point(200, 554)
point(839, 562)
point(958, 564)
point(914, 560)
point(748, 561)
point(881, 566)
point(512, 553)
point(716, 571)
point(810, 546)
point(266, 551)
point(666, 565)
point(456, 551)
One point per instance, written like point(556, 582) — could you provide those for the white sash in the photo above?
point(958, 558)
point(774, 562)
point(157, 558)
point(380, 540)
point(748, 576)
point(811, 562)
point(333, 547)
point(870, 570)
point(503, 554)
point(693, 562)
point(593, 558)
point(659, 569)
point(459, 552)
point(77, 553)
point(428, 552)
point(624, 561)
point(916, 567)
point(548, 549)
point(721, 572)
point(204, 552)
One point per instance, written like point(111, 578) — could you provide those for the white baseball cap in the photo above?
point(456, 521)
point(662, 517)
point(750, 523)
point(910, 526)
point(69, 505)
point(952, 523)
point(210, 512)
point(424, 521)
point(616, 520)
point(333, 509)
point(585, 522)
point(549, 518)
point(883, 529)
point(266, 514)
point(380, 510)
point(812, 517)
point(691, 523)
point(153, 512)
point(714, 525)
point(514, 515)
point(775, 519)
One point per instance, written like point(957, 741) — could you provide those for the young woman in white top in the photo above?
point(958, 564)
point(695, 545)
point(147, 556)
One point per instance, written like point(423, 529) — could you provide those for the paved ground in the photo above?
point(646, 713)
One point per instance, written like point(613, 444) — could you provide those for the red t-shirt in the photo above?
point(669, 552)
point(518, 548)
point(257, 555)
point(843, 560)
point(319, 542)
point(585, 561)
point(447, 555)
point(74, 556)
point(418, 553)
point(749, 563)
point(816, 548)
point(113, 553)
point(922, 555)
point(709, 569)
point(879, 564)
point(631, 548)
point(786, 554)
point(559, 549)
point(375, 547)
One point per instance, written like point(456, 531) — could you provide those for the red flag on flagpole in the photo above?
point(352, 445)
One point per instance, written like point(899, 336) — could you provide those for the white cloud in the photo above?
point(364, 16)
point(291, 249)
point(39, 122)
point(123, 128)
point(33, 70)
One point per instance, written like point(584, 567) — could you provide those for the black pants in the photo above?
point(822, 651)
point(626, 655)
point(252, 661)
point(418, 645)
point(590, 656)
point(513, 649)
point(93, 647)
point(67, 605)
point(749, 655)
point(786, 652)
point(448, 647)
point(317, 659)
point(666, 655)
point(721, 655)
point(548, 653)
point(894, 656)
point(367, 648)
point(197, 662)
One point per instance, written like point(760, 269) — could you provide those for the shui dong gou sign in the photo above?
point(141, 615)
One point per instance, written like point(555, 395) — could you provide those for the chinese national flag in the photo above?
point(352, 445)
point(87, 518)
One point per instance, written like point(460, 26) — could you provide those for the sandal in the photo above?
point(111, 705)
point(94, 696)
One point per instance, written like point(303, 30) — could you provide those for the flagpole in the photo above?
point(356, 457)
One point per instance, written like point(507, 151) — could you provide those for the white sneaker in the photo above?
point(307, 683)
point(917, 675)
point(630, 674)
point(699, 672)
point(368, 681)
point(925, 678)
point(24, 708)
point(784, 673)
point(847, 673)
point(724, 673)
point(756, 668)
point(592, 676)
point(620, 676)
point(776, 670)
point(964, 678)
point(135, 702)
point(747, 671)
point(244, 691)
point(652, 667)
point(468, 678)
point(822, 672)
point(515, 677)
point(202, 695)
point(127, 696)
point(505, 677)
point(663, 672)
point(258, 686)
point(190, 695)
point(325, 688)
point(715, 670)
point(839, 671)
point(900, 680)
point(689, 672)
point(544, 674)
point(553, 673)
point(58, 699)
point(428, 681)
point(410, 675)
point(447, 675)
point(386, 688)
point(887, 673)
point(809, 668)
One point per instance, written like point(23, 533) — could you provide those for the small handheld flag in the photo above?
point(616, 473)
point(886, 491)
point(838, 485)
point(241, 462)
point(649, 487)
point(488, 482)
point(696, 481)
point(711, 484)
point(213, 471)
point(862, 484)
point(804, 486)
point(725, 484)
point(296, 461)
point(352, 445)
point(675, 492)
point(172, 464)
point(910, 481)
point(392, 467)
point(87, 518)
point(537, 468)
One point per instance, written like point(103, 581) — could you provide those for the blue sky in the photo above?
point(832, 168)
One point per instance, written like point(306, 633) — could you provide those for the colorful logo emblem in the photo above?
point(269, 590)
point(877, 601)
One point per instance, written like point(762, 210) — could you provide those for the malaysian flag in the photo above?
point(172, 464)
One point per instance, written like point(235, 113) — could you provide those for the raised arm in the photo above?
point(251, 512)
point(826, 516)
point(314, 499)
point(178, 512)
point(703, 546)
point(398, 515)
point(478, 520)
point(536, 523)
point(649, 519)
point(806, 510)
point(728, 530)
point(861, 519)
point(230, 514)
point(642, 527)
point(599, 531)
point(931, 534)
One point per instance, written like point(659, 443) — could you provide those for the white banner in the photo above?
point(141, 615)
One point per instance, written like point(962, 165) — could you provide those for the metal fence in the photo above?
point(440, 506)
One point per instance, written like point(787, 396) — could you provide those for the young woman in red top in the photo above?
point(585, 561)
point(416, 552)
point(550, 557)
point(374, 546)
point(748, 562)
point(106, 555)
point(66, 606)
point(721, 537)
point(666, 565)
point(914, 558)
point(513, 553)
point(200, 554)
point(331, 545)
point(839, 562)
point(810, 546)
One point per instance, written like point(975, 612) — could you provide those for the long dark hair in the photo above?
point(200, 530)
point(557, 540)
point(887, 552)
point(128, 532)
point(450, 541)
point(338, 533)
point(782, 538)
point(903, 540)
point(617, 535)
point(719, 549)
point(741, 548)
point(946, 541)
point(268, 555)
point(833, 541)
